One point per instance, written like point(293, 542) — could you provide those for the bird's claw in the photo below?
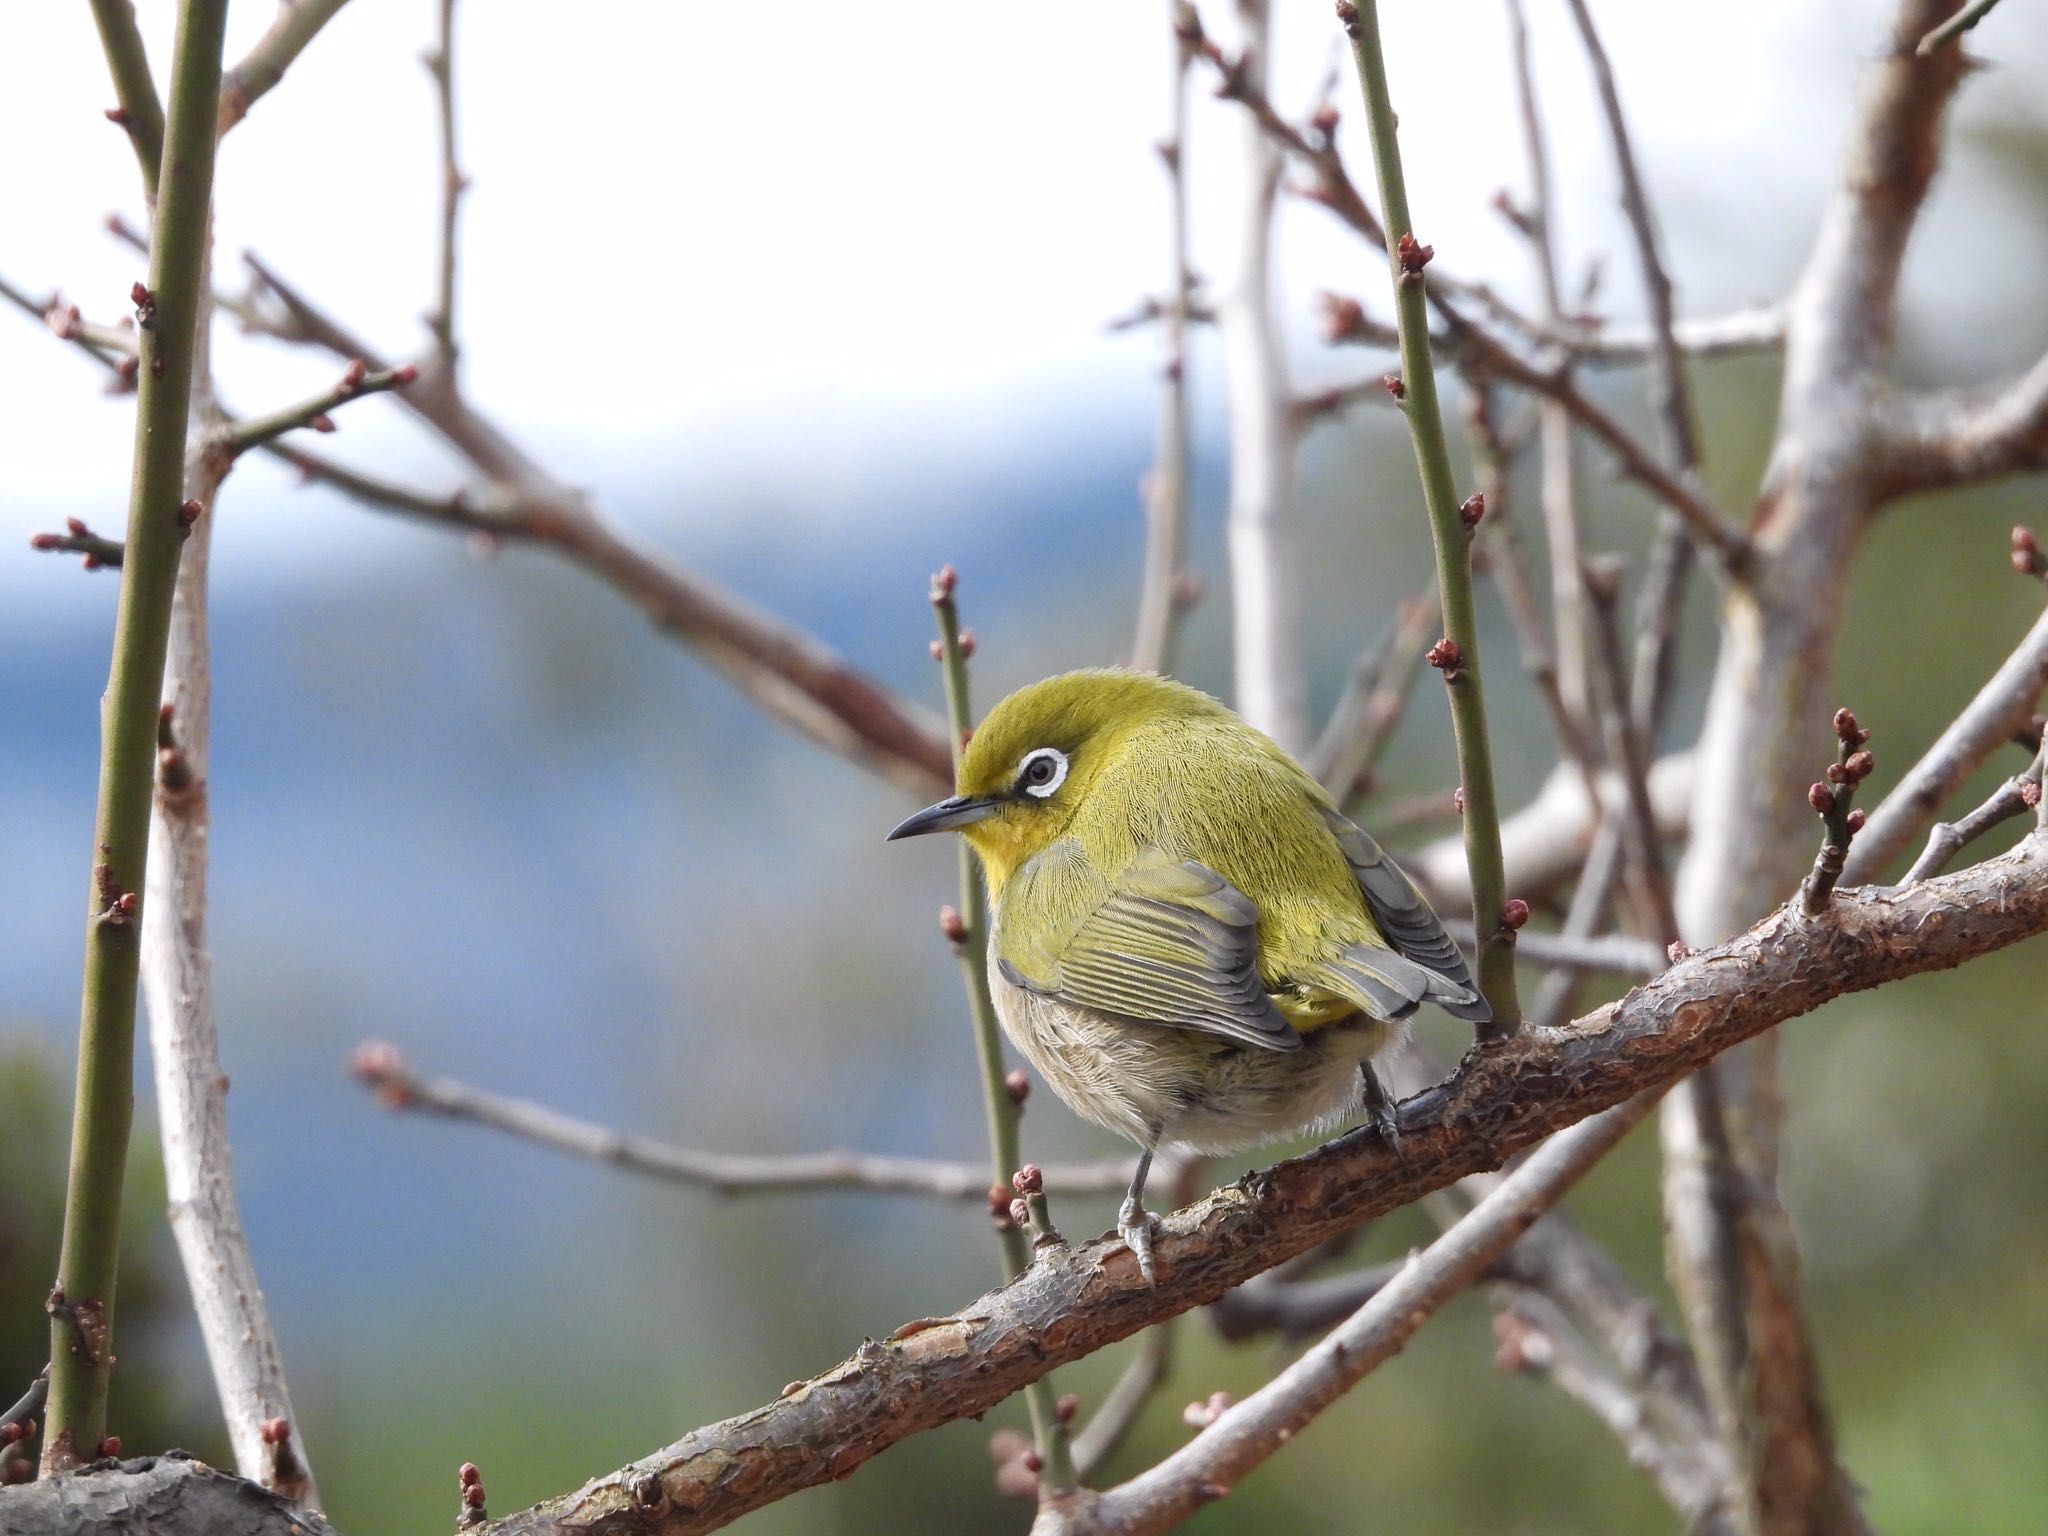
point(1382, 1112)
point(1134, 1225)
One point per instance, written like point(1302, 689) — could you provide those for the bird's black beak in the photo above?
point(960, 811)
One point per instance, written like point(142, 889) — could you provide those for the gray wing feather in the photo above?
point(1409, 925)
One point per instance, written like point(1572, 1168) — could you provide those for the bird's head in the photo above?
point(1042, 753)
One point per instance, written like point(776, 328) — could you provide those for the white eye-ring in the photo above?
point(1042, 771)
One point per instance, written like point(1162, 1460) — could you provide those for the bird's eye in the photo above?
point(1042, 772)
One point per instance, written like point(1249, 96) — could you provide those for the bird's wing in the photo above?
point(1168, 943)
point(1409, 925)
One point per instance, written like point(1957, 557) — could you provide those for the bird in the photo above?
point(1190, 942)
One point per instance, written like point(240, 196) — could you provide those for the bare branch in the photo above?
point(262, 67)
point(1267, 642)
point(2015, 797)
point(383, 1070)
point(440, 62)
point(1481, 355)
point(1536, 1339)
point(1502, 1099)
point(177, 983)
point(1251, 1431)
point(1597, 344)
point(1375, 696)
point(1163, 592)
point(1931, 442)
point(1955, 26)
point(100, 553)
point(233, 439)
point(1739, 1278)
point(788, 673)
point(1293, 1310)
point(1104, 1434)
point(1549, 838)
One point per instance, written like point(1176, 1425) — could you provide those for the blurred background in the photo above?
point(813, 301)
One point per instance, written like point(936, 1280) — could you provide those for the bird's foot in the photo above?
point(1382, 1112)
point(1134, 1225)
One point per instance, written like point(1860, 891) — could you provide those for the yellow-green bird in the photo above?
point(1190, 943)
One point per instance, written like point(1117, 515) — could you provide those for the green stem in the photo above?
point(128, 62)
point(1453, 540)
point(81, 1327)
point(1049, 1435)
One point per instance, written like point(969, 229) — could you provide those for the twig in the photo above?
point(789, 674)
point(967, 931)
point(157, 521)
point(237, 438)
point(2015, 797)
point(1599, 877)
point(1830, 801)
point(140, 114)
point(1596, 344)
point(100, 553)
point(1625, 751)
point(1266, 621)
point(1504, 560)
point(1501, 1100)
point(1670, 396)
point(1104, 1433)
point(1535, 1339)
point(1482, 355)
point(177, 983)
point(1406, 258)
point(262, 67)
point(384, 1071)
point(1375, 696)
point(1296, 1309)
point(1162, 592)
point(1559, 482)
point(1955, 26)
point(1250, 1432)
point(440, 64)
point(18, 1424)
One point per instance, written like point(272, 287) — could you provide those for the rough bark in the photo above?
point(1502, 1098)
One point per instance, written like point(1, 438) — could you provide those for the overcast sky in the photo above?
point(746, 244)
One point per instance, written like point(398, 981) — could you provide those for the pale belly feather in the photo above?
point(1154, 1082)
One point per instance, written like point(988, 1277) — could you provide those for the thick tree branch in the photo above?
point(1937, 442)
point(1768, 700)
point(1503, 1098)
point(1250, 1432)
point(168, 1495)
